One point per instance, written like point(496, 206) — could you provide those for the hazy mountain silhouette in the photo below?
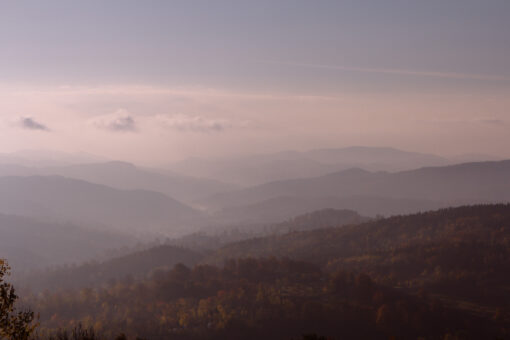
point(136, 265)
point(479, 223)
point(474, 157)
point(30, 244)
point(43, 158)
point(449, 185)
point(60, 198)
point(284, 207)
point(257, 169)
point(122, 175)
point(189, 251)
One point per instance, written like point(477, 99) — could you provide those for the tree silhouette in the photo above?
point(14, 324)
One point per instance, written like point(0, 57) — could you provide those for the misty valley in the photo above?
point(110, 250)
point(254, 170)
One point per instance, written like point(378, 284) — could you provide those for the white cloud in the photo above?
point(192, 123)
point(119, 121)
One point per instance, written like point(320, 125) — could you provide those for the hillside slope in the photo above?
point(452, 250)
point(59, 198)
point(29, 244)
point(126, 176)
point(137, 265)
point(253, 169)
point(483, 182)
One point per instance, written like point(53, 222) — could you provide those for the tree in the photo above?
point(14, 324)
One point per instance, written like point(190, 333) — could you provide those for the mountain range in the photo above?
point(260, 168)
point(30, 244)
point(56, 198)
point(122, 175)
point(382, 192)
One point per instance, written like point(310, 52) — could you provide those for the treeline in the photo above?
point(216, 237)
point(131, 267)
point(255, 299)
point(436, 275)
point(137, 264)
point(461, 252)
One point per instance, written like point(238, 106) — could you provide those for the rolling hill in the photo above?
point(482, 182)
point(55, 198)
point(126, 176)
point(137, 265)
point(29, 244)
point(260, 168)
point(452, 251)
point(284, 207)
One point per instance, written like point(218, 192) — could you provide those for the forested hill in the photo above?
point(187, 250)
point(212, 238)
point(31, 244)
point(137, 265)
point(489, 224)
point(319, 219)
point(256, 299)
point(452, 250)
point(435, 275)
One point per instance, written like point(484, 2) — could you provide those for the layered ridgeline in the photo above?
point(372, 193)
point(214, 237)
point(438, 274)
point(31, 244)
point(189, 250)
point(284, 207)
point(132, 267)
point(55, 198)
point(255, 169)
point(121, 175)
point(458, 251)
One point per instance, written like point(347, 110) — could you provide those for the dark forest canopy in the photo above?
point(258, 299)
point(433, 274)
point(189, 250)
point(437, 249)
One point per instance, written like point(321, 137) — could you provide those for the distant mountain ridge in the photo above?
point(260, 168)
point(42, 158)
point(122, 175)
point(482, 182)
point(284, 207)
point(478, 223)
point(64, 199)
point(188, 250)
point(30, 244)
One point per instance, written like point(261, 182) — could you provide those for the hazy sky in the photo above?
point(155, 81)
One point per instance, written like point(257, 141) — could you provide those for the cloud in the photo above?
point(119, 121)
point(30, 123)
point(190, 123)
point(126, 123)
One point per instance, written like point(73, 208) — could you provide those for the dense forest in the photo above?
point(136, 263)
point(134, 266)
point(462, 252)
point(256, 299)
point(254, 170)
point(436, 275)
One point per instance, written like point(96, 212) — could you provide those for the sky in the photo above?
point(157, 81)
